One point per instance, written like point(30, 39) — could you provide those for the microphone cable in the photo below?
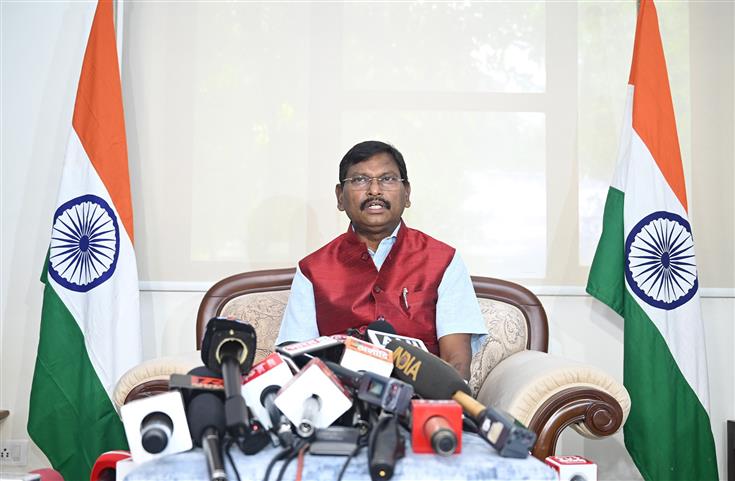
point(302, 445)
point(278, 456)
point(361, 443)
point(300, 463)
point(286, 454)
point(469, 425)
point(227, 447)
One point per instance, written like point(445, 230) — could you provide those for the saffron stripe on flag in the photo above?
point(98, 116)
point(653, 109)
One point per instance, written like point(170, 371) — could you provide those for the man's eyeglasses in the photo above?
point(362, 182)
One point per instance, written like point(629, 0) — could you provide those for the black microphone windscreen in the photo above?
point(228, 338)
point(382, 326)
point(205, 411)
point(430, 376)
point(204, 371)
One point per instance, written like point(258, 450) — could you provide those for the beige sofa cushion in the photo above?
point(524, 381)
point(507, 334)
point(264, 311)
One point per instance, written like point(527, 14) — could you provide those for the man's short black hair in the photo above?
point(367, 149)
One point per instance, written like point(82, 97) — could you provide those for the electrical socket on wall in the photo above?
point(14, 452)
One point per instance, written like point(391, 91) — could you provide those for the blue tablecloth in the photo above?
point(478, 461)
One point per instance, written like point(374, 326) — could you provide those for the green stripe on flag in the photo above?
point(668, 431)
point(71, 417)
point(606, 281)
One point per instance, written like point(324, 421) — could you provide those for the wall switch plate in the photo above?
point(14, 452)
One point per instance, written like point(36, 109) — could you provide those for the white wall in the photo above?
point(42, 51)
point(42, 47)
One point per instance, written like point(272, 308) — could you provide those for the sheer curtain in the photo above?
point(508, 115)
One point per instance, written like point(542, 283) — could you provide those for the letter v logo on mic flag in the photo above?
point(645, 270)
point(90, 320)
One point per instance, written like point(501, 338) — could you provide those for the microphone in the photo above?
point(439, 432)
point(198, 379)
point(391, 395)
point(280, 424)
point(385, 446)
point(360, 355)
point(351, 352)
point(382, 332)
point(312, 406)
point(206, 418)
point(271, 373)
point(433, 378)
point(436, 426)
point(370, 386)
point(155, 431)
point(379, 325)
point(229, 347)
point(328, 347)
point(155, 426)
point(297, 399)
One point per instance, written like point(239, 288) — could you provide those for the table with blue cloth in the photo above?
point(477, 461)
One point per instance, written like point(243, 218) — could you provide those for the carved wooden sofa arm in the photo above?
point(548, 393)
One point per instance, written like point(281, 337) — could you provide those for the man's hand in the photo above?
point(456, 350)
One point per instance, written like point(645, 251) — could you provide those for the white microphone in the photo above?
point(156, 426)
point(329, 347)
point(313, 398)
point(360, 355)
point(348, 351)
point(271, 371)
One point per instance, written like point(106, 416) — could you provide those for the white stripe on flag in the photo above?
point(109, 323)
point(680, 327)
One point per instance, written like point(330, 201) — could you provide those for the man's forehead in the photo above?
point(382, 161)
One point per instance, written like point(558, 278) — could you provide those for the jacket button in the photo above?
point(377, 289)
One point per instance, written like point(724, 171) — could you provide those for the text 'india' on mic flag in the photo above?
point(645, 269)
point(90, 320)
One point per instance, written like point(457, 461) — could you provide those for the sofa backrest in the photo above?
point(514, 316)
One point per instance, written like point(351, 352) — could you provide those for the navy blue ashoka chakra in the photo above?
point(85, 243)
point(659, 260)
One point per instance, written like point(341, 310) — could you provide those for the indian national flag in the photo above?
point(90, 324)
point(645, 270)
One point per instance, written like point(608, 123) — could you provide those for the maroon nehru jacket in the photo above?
point(350, 292)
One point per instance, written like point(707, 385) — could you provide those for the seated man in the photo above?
point(382, 269)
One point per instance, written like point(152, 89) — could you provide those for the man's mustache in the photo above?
point(380, 200)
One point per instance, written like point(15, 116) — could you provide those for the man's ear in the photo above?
point(408, 194)
point(339, 193)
